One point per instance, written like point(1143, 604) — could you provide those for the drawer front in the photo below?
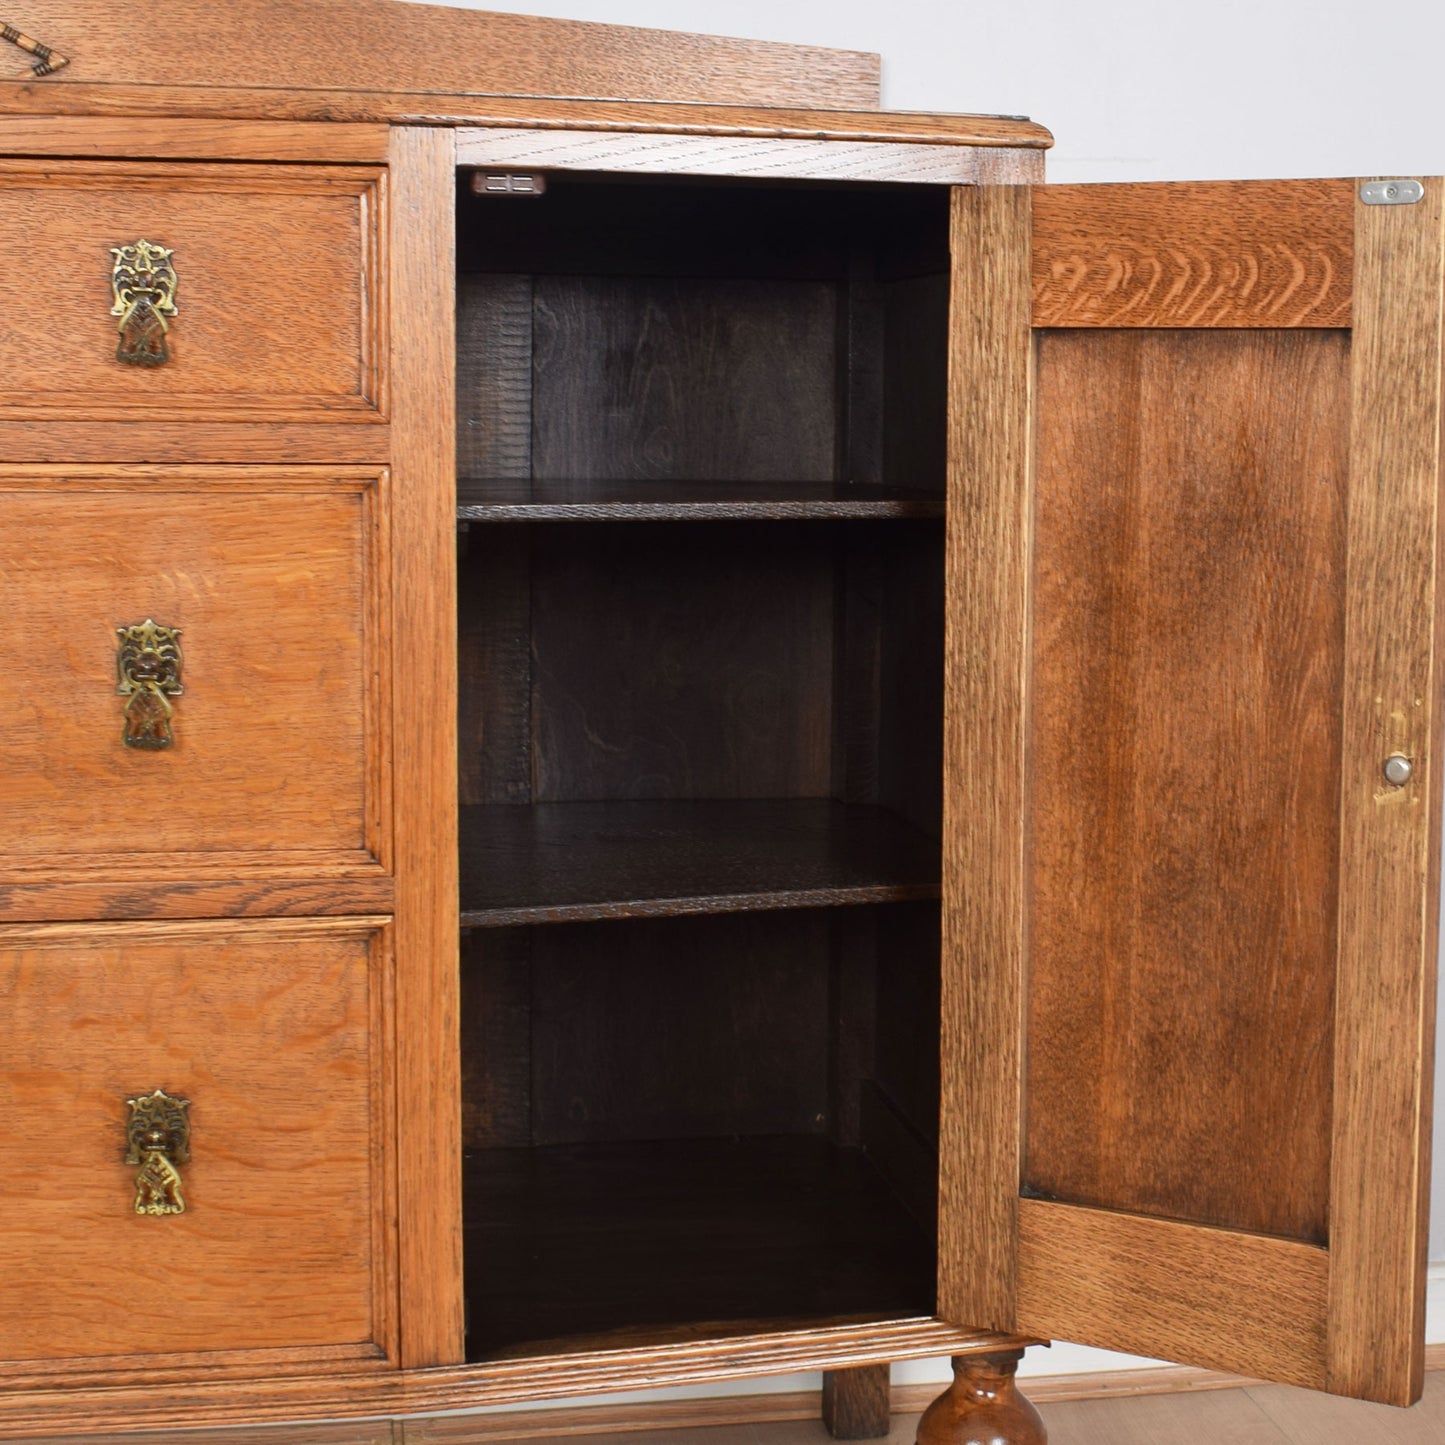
point(267, 306)
point(259, 748)
point(271, 1031)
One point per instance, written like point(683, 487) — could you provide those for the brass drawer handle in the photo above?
point(149, 663)
point(143, 282)
point(158, 1132)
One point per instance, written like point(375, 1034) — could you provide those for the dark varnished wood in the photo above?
point(663, 499)
point(592, 1238)
point(857, 1404)
point(685, 379)
point(1186, 744)
point(983, 1406)
point(653, 1029)
point(567, 862)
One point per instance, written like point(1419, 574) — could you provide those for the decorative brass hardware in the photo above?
point(47, 62)
point(158, 1133)
point(149, 663)
point(143, 282)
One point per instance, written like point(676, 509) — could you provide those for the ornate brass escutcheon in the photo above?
point(143, 282)
point(158, 1132)
point(149, 663)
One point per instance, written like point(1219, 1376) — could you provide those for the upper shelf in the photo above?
point(575, 862)
point(653, 501)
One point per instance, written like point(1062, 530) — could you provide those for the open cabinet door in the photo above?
point(1189, 920)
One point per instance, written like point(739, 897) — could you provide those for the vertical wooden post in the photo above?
point(858, 1403)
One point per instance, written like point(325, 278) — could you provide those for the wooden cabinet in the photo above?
point(777, 758)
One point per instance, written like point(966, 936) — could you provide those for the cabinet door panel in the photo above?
point(1189, 962)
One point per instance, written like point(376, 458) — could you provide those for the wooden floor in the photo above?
point(1262, 1415)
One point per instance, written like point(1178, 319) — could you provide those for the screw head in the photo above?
point(1398, 769)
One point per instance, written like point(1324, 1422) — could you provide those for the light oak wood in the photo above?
point(424, 759)
point(271, 1030)
point(379, 45)
point(72, 443)
point(1209, 254)
point(709, 155)
point(990, 508)
point(195, 1400)
point(270, 576)
point(191, 140)
point(1389, 837)
point(1243, 1303)
point(277, 296)
point(229, 897)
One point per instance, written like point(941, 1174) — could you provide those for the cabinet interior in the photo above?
point(701, 437)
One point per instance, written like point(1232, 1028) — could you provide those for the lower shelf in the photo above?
point(592, 1239)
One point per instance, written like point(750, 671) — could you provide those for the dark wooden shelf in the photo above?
point(672, 501)
point(591, 1239)
point(573, 862)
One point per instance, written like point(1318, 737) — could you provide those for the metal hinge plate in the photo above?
point(509, 183)
point(1391, 193)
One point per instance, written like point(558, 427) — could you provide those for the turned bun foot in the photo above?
point(982, 1406)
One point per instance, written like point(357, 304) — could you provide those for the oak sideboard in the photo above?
point(663, 726)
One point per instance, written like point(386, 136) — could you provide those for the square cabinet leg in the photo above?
point(857, 1403)
point(982, 1406)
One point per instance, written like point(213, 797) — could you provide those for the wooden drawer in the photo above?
point(274, 763)
point(277, 298)
point(272, 1031)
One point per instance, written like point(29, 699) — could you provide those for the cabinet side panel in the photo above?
point(1389, 864)
point(985, 673)
point(422, 276)
point(1188, 635)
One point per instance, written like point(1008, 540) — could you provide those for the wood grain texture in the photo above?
point(73, 443)
point(857, 1404)
point(424, 754)
point(1010, 148)
point(191, 140)
point(567, 862)
point(45, 902)
point(985, 709)
point(273, 261)
point(286, 1240)
point(722, 1353)
point(369, 45)
point(678, 662)
point(775, 157)
point(637, 378)
point(1244, 1303)
point(1389, 863)
point(1206, 254)
point(1185, 740)
point(269, 574)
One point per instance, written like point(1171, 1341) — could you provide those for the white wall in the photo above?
point(1140, 90)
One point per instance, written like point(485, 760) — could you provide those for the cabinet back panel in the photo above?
point(683, 380)
point(1183, 948)
point(655, 1029)
point(681, 662)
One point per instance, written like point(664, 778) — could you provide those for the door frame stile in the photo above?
point(1389, 836)
point(986, 651)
